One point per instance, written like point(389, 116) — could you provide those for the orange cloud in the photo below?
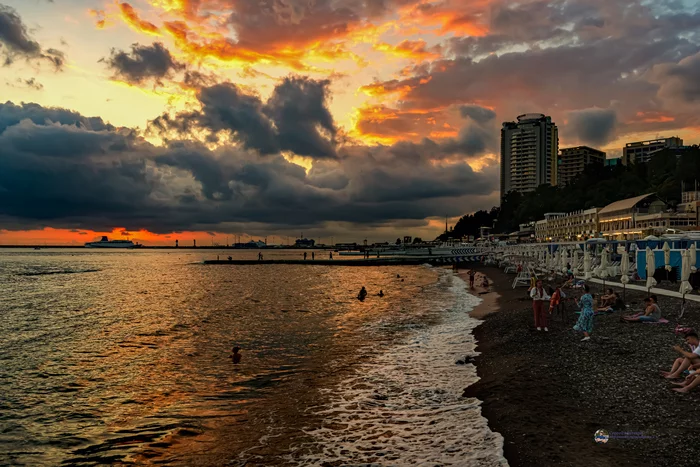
point(132, 18)
point(449, 16)
point(413, 50)
point(653, 117)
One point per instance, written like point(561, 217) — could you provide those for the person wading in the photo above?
point(539, 297)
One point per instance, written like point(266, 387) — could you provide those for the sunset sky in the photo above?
point(351, 119)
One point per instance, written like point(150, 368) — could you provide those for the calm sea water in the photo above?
point(120, 357)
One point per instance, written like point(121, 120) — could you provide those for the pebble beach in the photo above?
point(548, 393)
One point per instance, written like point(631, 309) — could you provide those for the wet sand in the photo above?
point(547, 394)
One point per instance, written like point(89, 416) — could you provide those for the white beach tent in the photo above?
point(564, 261)
point(651, 268)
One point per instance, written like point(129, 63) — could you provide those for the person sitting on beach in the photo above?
point(691, 381)
point(615, 304)
point(235, 356)
point(381, 293)
point(485, 282)
point(607, 299)
point(585, 320)
point(363, 293)
point(652, 312)
point(688, 359)
point(539, 296)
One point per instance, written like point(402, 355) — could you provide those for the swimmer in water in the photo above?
point(362, 294)
point(235, 356)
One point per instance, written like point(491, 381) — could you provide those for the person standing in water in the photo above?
point(539, 296)
point(585, 321)
point(330, 255)
point(472, 275)
point(235, 356)
point(304, 256)
point(313, 255)
point(363, 293)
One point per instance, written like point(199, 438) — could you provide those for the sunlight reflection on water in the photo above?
point(109, 355)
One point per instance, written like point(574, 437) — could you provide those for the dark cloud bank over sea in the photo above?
point(62, 169)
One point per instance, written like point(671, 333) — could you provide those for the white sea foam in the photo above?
point(405, 406)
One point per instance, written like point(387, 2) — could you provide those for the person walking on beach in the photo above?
point(539, 297)
point(313, 255)
point(304, 256)
point(585, 320)
point(330, 255)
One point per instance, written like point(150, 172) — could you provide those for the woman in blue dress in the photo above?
point(585, 321)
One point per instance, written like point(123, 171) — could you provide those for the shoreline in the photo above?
point(547, 394)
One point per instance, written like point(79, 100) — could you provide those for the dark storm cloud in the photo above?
point(65, 174)
point(11, 114)
point(298, 108)
point(15, 41)
point(295, 118)
point(478, 114)
point(564, 56)
point(593, 126)
point(144, 63)
point(679, 82)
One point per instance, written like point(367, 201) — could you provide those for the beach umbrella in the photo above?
point(651, 269)
point(587, 264)
point(692, 256)
point(604, 263)
point(624, 271)
point(685, 273)
point(564, 261)
point(667, 256)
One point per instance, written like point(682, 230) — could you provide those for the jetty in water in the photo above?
point(403, 261)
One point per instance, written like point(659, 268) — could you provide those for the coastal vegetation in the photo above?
point(597, 186)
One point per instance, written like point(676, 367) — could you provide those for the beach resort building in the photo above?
point(572, 161)
point(638, 217)
point(577, 225)
point(640, 152)
point(529, 151)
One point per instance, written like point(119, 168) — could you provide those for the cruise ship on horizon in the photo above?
point(107, 243)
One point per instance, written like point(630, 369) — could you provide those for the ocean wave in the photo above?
point(405, 407)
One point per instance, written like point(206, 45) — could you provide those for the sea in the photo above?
point(122, 357)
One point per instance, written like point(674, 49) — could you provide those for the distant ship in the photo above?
point(107, 243)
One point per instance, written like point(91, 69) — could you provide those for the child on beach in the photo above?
point(539, 296)
point(585, 320)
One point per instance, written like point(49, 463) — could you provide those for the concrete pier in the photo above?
point(404, 261)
